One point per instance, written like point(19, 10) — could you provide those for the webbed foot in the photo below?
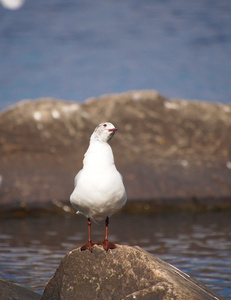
point(107, 245)
point(88, 246)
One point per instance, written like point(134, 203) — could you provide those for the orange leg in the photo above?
point(89, 245)
point(105, 243)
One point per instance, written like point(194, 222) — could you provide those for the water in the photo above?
point(73, 50)
point(198, 243)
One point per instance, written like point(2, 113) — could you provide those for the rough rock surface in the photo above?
point(170, 152)
point(122, 273)
point(10, 291)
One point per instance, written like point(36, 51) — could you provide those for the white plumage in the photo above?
point(99, 190)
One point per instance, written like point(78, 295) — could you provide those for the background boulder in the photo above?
point(171, 153)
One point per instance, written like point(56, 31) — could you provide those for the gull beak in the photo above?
point(113, 129)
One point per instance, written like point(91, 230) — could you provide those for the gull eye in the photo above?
point(104, 125)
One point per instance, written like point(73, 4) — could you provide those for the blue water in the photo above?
point(73, 50)
point(197, 243)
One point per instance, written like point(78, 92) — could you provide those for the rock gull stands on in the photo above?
point(99, 190)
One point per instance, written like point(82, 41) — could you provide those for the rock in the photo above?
point(10, 291)
point(122, 273)
point(171, 153)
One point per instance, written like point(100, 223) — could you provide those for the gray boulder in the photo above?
point(171, 153)
point(10, 291)
point(122, 273)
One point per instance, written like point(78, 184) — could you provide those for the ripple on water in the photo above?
point(31, 249)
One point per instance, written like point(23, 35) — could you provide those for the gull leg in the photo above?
point(105, 243)
point(89, 245)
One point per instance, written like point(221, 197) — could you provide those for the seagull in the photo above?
point(99, 190)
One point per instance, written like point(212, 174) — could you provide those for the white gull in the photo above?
point(99, 190)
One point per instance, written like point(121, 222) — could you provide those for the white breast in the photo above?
point(99, 190)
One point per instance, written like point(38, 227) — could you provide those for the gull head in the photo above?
point(103, 132)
